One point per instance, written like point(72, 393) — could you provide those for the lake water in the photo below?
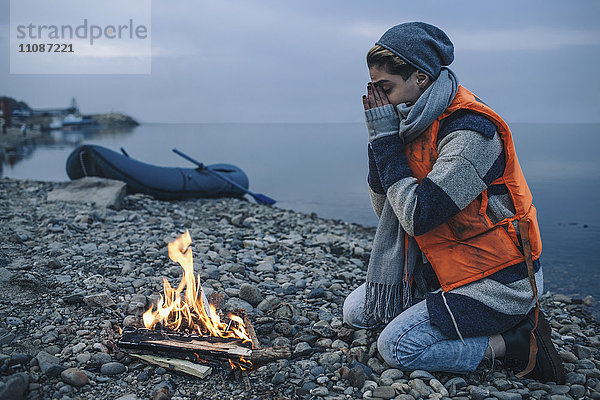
point(322, 168)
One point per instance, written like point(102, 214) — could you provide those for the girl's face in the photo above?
point(397, 89)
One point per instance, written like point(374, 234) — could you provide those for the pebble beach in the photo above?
point(73, 274)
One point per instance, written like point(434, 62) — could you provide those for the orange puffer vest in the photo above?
point(469, 246)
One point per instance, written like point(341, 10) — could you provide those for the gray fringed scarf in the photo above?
point(390, 266)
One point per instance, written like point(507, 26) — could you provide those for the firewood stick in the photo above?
point(250, 329)
point(185, 366)
point(216, 350)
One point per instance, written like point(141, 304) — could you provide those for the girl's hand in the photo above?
point(375, 97)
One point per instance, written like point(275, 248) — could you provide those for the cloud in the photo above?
point(526, 38)
point(506, 39)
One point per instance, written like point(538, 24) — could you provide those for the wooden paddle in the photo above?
point(260, 198)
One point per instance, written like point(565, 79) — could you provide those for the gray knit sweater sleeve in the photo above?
point(467, 163)
point(377, 201)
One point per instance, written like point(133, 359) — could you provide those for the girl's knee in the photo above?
point(353, 310)
point(386, 346)
point(398, 349)
point(350, 309)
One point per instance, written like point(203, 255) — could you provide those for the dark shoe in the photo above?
point(548, 364)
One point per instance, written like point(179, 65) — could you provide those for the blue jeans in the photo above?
point(410, 341)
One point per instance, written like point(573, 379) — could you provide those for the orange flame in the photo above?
point(190, 314)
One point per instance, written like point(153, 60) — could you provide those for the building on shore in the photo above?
point(47, 112)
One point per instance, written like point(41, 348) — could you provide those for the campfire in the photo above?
point(184, 325)
point(192, 314)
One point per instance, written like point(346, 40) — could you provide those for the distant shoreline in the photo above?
point(38, 127)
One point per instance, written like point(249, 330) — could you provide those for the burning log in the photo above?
point(185, 326)
point(197, 348)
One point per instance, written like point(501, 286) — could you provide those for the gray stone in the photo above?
point(248, 222)
point(539, 386)
point(478, 393)
point(369, 385)
point(83, 358)
point(5, 275)
point(289, 288)
point(100, 358)
point(251, 294)
point(14, 321)
point(585, 364)
point(503, 384)
point(19, 359)
point(302, 349)
point(420, 387)
point(323, 328)
point(577, 391)
point(559, 389)
point(49, 364)
point(590, 373)
point(63, 278)
point(265, 266)
point(234, 303)
point(78, 348)
point(404, 397)
point(562, 298)
point(98, 191)
point(316, 293)
point(339, 344)
point(127, 397)
point(283, 328)
point(376, 365)
point(574, 378)
point(286, 312)
point(73, 298)
point(99, 300)
point(317, 371)
point(6, 337)
point(421, 374)
point(269, 303)
point(324, 342)
point(74, 377)
point(52, 349)
point(14, 387)
point(308, 386)
point(327, 360)
point(357, 376)
point(438, 387)
point(89, 248)
point(112, 368)
point(458, 383)
point(319, 391)
point(390, 375)
point(567, 356)
point(278, 378)
point(537, 394)
point(138, 283)
point(583, 351)
point(384, 392)
point(506, 395)
point(131, 321)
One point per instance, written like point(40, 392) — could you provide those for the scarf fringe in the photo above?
point(385, 301)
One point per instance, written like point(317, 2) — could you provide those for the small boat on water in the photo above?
point(165, 183)
point(72, 121)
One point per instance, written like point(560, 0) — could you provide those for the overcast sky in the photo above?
point(303, 61)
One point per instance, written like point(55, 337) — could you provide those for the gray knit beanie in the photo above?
point(421, 45)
